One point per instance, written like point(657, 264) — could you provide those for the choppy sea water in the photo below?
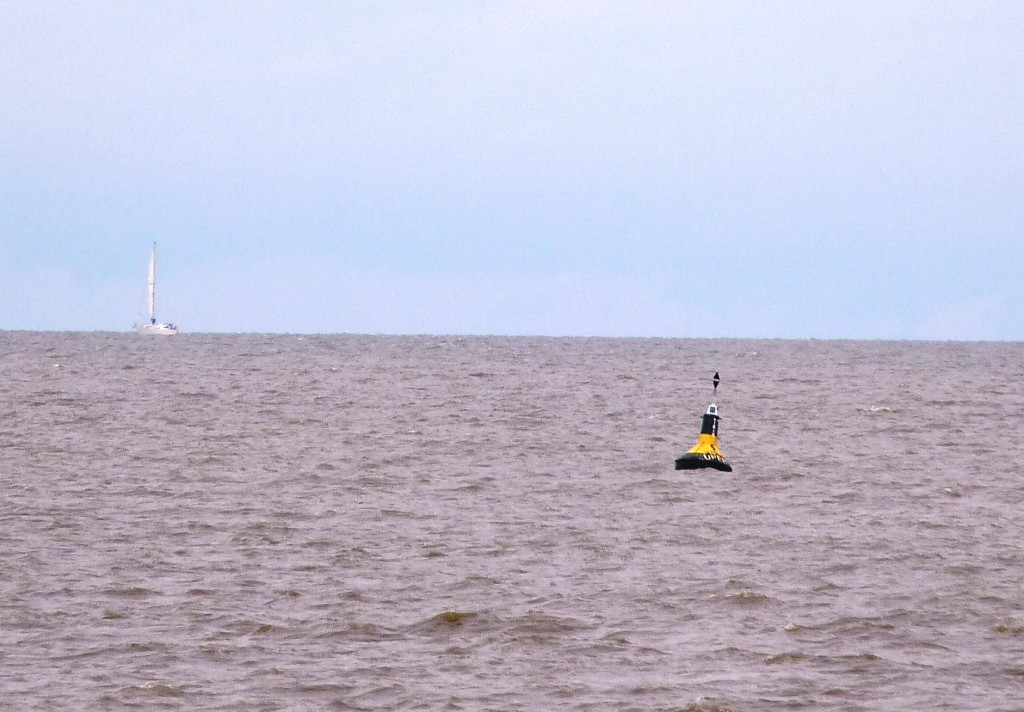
point(245, 522)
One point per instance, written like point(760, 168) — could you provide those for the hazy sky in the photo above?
point(644, 168)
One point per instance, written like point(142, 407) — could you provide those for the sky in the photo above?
point(785, 169)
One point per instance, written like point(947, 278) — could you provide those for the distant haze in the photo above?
point(742, 169)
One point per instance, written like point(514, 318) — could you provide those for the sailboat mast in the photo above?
point(152, 285)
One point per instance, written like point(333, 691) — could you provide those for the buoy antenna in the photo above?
point(715, 381)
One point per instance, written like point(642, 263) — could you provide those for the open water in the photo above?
point(246, 522)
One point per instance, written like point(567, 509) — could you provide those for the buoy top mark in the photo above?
point(715, 381)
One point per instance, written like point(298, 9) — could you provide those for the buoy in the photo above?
point(705, 453)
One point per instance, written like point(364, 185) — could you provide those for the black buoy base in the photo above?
point(700, 462)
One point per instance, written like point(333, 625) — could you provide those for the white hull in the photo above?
point(158, 329)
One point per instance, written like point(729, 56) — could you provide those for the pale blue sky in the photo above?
point(694, 169)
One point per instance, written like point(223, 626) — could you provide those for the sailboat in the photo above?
point(155, 327)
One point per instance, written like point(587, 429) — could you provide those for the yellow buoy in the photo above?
point(705, 453)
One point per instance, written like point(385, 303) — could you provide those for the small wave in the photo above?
point(453, 623)
point(1014, 628)
point(613, 641)
point(161, 689)
point(542, 628)
point(379, 697)
point(324, 688)
point(854, 658)
point(130, 592)
point(747, 597)
point(197, 394)
point(704, 705)
point(855, 626)
point(452, 619)
point(361, 633)
point(400, 514)
point(153, 646)
point(476, 581)
point(965, 570)
point(779, 658)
